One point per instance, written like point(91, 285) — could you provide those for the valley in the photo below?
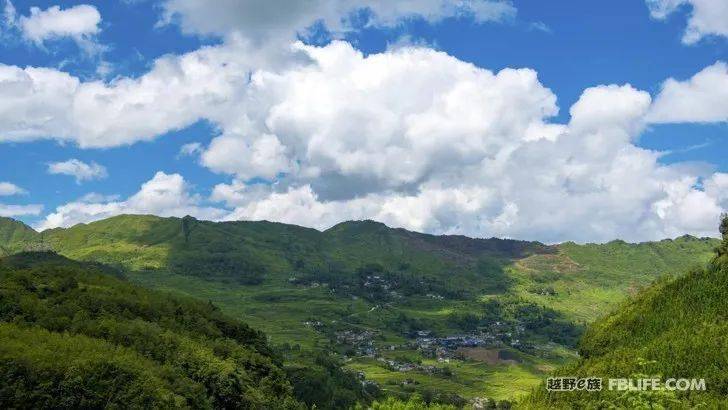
point(448, 317)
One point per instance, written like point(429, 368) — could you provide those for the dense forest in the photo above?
point(76, 335)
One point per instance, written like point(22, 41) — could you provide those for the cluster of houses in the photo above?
point(372, 281)
point(361, 341)
point(373, 284)
point(376, 284)
point(408, 367)
point(443, 349)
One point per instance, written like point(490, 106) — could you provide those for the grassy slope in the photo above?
point(589, 280)
point(675, 328)
point(136, 242)
point(586, 281)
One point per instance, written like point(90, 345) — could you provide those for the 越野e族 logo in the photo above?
point(624, 384)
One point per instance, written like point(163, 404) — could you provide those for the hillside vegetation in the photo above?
point(75, 336)
point(674, 329)
point(250, 252)
point(578, 280)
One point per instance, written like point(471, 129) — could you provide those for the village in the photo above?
point(368, 344)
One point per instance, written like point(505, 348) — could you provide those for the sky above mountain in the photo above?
point(551, 121)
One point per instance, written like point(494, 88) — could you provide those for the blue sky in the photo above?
point(570, 45)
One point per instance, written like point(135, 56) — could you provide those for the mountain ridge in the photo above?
point(9, 220)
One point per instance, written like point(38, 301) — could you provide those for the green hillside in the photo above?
point(250, 252)
point(674, 329)
point(384, 301)
point(16, 236)
point(75, 336)
point(579, 280)
point(586, 281)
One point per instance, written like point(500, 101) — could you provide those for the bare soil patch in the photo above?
point(489, 356)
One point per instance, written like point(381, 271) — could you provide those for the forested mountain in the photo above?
point(362, 311)
point(248, 252)
point(674, 329)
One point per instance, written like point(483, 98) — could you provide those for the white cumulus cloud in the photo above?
point(176, 92)
point(702, 98)
point(80, 23)
point(78, 169)
point(707, 17)
point(418, 139)
point(35, 102)
point(383, 121)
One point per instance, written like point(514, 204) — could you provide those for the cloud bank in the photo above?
point(163, 195)
point(412, 137)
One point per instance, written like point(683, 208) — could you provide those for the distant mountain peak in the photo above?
point(5, 221)
point(17, 236)
point(363, 223)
